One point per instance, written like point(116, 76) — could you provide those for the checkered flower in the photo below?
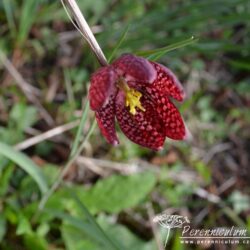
point(136, 92)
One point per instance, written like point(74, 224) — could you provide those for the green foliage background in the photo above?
point(107, 197)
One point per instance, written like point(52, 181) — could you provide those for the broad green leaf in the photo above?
point(124, 236)
point(112, 194)
point(86, 228)
point(23, 226)
point(26, 164)
point(23, 116)
point(91, 220)
point(240, 201)
point(117, 192)
point(35, 242)
point(74, 239)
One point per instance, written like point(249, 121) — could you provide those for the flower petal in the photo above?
point(173, 123)
point(145, 127)
point(166, 83)
point(106, 121)
point(102, 87)
point(135, 68)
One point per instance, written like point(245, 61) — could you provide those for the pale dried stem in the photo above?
point(86, 31)
point(46, 135)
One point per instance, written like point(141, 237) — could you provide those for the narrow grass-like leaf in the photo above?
point(85, 227)
point(66, 168)
point(102, 235)
point(80, 129)
point(70, 92)
point(240, 64)
point(26, 164)
point(119, 43)
point(155, 54)
point(10, 17)
point(28, 15)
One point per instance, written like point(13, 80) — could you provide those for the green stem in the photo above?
point(66, 169)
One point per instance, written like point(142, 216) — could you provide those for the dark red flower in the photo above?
point(136, 92)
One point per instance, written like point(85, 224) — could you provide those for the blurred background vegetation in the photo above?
point(44, 75)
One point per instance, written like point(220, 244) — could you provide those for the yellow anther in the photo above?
point(133, 101)
point(132, 97)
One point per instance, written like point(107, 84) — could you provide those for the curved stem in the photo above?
point(166, 241)
point(66, 169)
point(85, 29)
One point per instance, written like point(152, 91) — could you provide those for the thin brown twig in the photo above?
point(46, 135)
point(125, 168)
point(27, 89)
point(25, 86)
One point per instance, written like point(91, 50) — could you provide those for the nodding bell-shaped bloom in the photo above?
point(136, 92)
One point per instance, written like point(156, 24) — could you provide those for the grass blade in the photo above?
point(28, 15)
point(98, 230)
point(66, 168)
point(118, 45)
point(157, 53)
point(10, 17)
point(85, 227)
point(80, 129)
point(26, 164)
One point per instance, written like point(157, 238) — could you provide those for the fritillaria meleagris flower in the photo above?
point(136, 92)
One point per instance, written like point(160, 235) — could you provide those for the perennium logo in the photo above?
point(192, 236)
point(170, 221)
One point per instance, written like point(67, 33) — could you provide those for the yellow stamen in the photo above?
point(132, 97)
point(133, 101)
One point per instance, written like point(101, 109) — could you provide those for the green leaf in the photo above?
point(240, 64)
point(34, 241)
point(240, 201)
point(5, 176)
point(158, 53)
point(80, 129)
point(86, 228)
point(3, 227)
point(204, 171)
point(112, 194)
point(124, 236)
point(23, 116)
point(74, 240)
point(28, 15)
point(118, 44)
point(23, 226)
point(98, 230)
point(26, 164)
point(8, 8)
point(117, 192)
